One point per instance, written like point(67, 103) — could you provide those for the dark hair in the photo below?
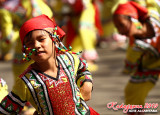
point(29, 34)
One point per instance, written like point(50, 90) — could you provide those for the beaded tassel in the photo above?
point(26, 57)
point(64, 48)
point(137, 23)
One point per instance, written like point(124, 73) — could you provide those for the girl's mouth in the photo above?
point(38, 53)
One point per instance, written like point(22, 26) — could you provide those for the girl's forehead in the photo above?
point(38, 32)
point(35, 34)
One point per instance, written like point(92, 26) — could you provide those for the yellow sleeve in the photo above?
point(81, 71)
point(87, 28)
point(21, 90)
point(6, 23)
point(16, 99)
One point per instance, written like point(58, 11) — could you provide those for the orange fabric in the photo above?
point(132, 9)
point(93, 112)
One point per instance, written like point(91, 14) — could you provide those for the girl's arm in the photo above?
point(84, 80)
point(13, 103)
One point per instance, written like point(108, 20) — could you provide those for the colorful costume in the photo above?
point(153, 7)
point(82, 30)
point(143, 56)
point(108, 8)
point(3, 89)
point(110, 32)
point(51, 95)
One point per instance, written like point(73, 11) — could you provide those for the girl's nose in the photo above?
point(37, 45)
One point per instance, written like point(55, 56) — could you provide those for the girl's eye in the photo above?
point(41, 39)
point(29, 43)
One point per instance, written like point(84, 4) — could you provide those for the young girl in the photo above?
point(58, 82)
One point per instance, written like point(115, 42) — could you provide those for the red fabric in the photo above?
point(101, 0)
point(132, 9)
point(60, 93)
point(97, 20)
point(39, 22)
point(28, 104)
point(77, 6)
point(71, 33)
point(93, 112)
point(10, 105)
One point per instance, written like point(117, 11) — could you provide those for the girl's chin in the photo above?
point(39, 59)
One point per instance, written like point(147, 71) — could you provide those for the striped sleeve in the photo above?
point(14, 102)
point(83, 74)
point(11, 104)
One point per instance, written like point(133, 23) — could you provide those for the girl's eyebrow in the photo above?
point(40, 36)
point(44, 33)
point(31, 40)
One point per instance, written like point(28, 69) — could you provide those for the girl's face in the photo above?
point(41, 41)
point(123, 24)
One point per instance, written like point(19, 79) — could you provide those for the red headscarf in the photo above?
point(132, 9)
point(37, 23)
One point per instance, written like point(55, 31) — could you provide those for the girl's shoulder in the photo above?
point(26, 71)
point(70, 59)
point(69, 56)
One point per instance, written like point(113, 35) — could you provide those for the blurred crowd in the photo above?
point(88, 25)
point(76, 17)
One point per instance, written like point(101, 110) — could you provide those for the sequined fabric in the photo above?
point(60, 93)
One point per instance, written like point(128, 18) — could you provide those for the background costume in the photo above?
point(142, 55)
point(153, 7)
point(82, 30)
point(110, 34)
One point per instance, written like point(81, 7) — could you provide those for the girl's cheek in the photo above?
point(132, 30)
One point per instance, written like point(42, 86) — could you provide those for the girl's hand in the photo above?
point(85, 90)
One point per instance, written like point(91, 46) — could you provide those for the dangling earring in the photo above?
point(137, 23)
point(60, 44)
